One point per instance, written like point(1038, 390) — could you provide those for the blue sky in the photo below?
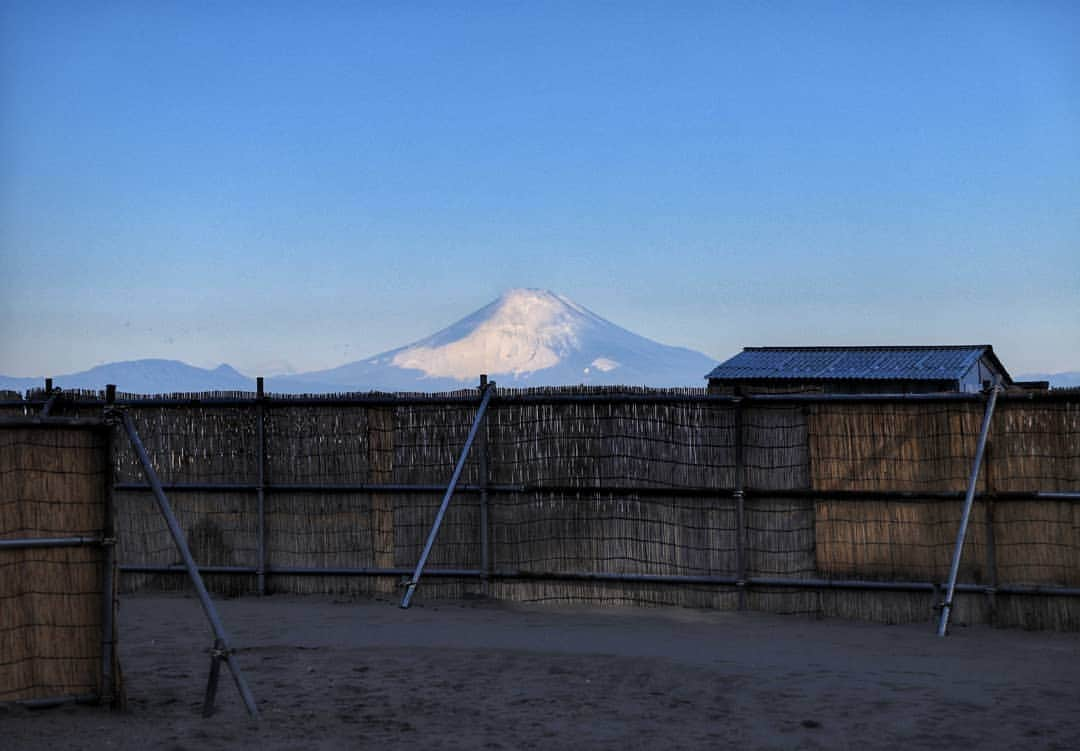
point(317, 182)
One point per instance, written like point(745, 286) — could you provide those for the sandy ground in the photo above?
point(344, 674)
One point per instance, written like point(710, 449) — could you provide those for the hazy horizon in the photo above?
point(277, 185)
point(460, 340)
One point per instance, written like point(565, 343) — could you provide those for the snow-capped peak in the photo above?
point(525, 337)
point(523, 331)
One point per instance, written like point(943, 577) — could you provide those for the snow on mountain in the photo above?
point(527, 337)
point(142, 377)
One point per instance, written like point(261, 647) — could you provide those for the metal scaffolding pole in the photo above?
point(740, 507)
point(965, 517)
point(485, 523)
point(489, 389)
point(221, 650)
point(260, 530)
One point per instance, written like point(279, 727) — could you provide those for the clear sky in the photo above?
point(316, 182)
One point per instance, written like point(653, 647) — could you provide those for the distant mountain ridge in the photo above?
point(152, 376)
point(527, 337)
point(1067, 380)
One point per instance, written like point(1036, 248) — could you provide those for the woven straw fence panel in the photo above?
point(898, 540)
point(775, 447)
point(620, 533)
point(317, 444)
point(893, 446)
point(52, 484)
point(1035, 446)
point(612, 444)
point(192, 444)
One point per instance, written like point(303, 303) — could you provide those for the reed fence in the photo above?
point(57, 594)
point(819, 504)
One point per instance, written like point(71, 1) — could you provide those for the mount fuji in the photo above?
point(527, 337)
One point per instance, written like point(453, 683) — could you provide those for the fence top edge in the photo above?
point(520, 396)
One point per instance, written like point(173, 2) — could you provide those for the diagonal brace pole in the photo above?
point(969, 499)
point(489, 389)
point(222, 650)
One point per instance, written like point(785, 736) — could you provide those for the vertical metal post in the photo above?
point(991, 545)
point(108, 583)
point(50, 398)
point(965, 517)
point(216, 656)
point(482, 451)
point(260, 483)
point(222, 650)
point(46, 411)
point(740, 507)
point(434, 533)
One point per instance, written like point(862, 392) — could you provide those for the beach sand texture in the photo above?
point(331, 674)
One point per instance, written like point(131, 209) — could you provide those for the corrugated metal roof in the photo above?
point(877, 363)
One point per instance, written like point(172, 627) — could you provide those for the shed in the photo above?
point(859, 370)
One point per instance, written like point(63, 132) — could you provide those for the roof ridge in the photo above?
point(869, 348)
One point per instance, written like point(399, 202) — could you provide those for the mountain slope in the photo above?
point(151, 376)
point(526, 337)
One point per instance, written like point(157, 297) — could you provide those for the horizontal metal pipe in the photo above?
point(618, 490)
point(284, 400)
point(601, 576)
point(56, 701)
point(83, 423)
point(726, 580)
point(293, 570)
point(808, 493)
point(139, 568)
point(383, 488)
point(50, 542)
point(898, 586)
point(781, 582)
point(1036, 589)
point(299, 571)
point(210, 487)
point(852, 584)
point(188, 487)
